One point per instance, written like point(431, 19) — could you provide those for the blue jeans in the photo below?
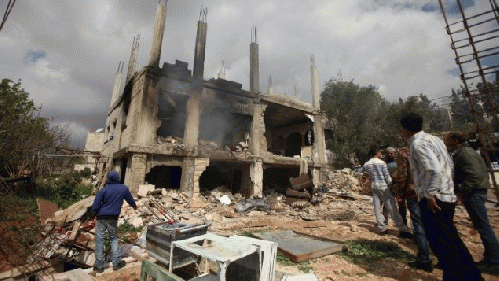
point(475, 205)
point(418, 231)
point(443, 238)
point(103, 225)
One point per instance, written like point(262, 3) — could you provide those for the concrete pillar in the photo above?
point(133, 58)
point(315, 86)
point(136, 172)
point(258, 148)
point(159, 31)
point(191, 171)
point(258, 141)
point(191, 132)
point(117, 84)
point(254, 68)
point(256, 175)
point(319, 147)
point(270, 90)
point(199, 51)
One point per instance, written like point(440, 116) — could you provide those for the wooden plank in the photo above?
point(75, 231)
point(156, 272)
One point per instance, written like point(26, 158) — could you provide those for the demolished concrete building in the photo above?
point(171, 128)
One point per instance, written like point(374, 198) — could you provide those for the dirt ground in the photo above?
point(362, 226)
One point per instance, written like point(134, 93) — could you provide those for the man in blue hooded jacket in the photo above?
point(107, 206)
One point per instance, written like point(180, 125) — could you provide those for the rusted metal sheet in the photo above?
point(301, 182)
point(297, 194)
point(291, 200)
point(300, 246)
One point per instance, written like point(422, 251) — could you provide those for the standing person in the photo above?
point(471, 181)
point(392, 164)
point(431, 168)
point(107, 205)
point(380, 179)
point(404, 187)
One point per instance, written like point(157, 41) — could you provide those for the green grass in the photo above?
point(126, 228)
point(371, 251)
point(14, 208)
point(285, 261)
point(63, 190)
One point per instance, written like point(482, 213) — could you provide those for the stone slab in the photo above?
point(75, 211)
point(300, 246)
point(78, 275)
point(300, 277)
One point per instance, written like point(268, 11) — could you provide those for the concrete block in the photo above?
point(196, 203)
point(136, 222)
point(138, 253)
point(144, 189)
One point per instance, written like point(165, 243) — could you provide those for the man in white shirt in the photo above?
point(431, 168)
point(380, 179)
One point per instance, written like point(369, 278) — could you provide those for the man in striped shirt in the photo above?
point(431, 168)
point(380, 179)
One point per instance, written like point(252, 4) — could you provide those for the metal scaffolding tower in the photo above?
point(474, 40)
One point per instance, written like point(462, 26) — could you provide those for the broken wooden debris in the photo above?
point(151, 271)
point(74, 225)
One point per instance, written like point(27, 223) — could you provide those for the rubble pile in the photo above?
point(346, 180)
point(70, 234)
point(208, 145)
point(169, 141)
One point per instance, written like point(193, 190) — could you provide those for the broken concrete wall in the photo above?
point(113, 130)
point(258, 139)
point(164, 171)
point(136, 172)
point(192, 170)
point(277, 178)
point(165, 177)
point(282, 140)
point(174, 85)
point(94, 142)
point(226, 113)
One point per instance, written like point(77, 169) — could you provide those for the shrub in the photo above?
point(65, 190)
point(86, 173)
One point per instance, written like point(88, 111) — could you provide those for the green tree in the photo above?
point(25, 136)
point(462, 118)
point(357, 116)
point(361, 118)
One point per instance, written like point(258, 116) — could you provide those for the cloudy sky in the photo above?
point(66, 52)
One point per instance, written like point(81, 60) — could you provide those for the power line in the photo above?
point(10, 5)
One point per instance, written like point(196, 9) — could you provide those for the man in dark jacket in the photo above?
point(471, 184)
point(107, 206)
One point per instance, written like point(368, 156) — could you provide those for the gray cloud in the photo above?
point(399, 46)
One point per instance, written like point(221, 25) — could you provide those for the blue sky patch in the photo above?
point(32, 56)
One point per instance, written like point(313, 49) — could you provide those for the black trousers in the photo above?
point(457, 262)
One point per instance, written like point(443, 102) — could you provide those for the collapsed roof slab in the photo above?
point(287, 102)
